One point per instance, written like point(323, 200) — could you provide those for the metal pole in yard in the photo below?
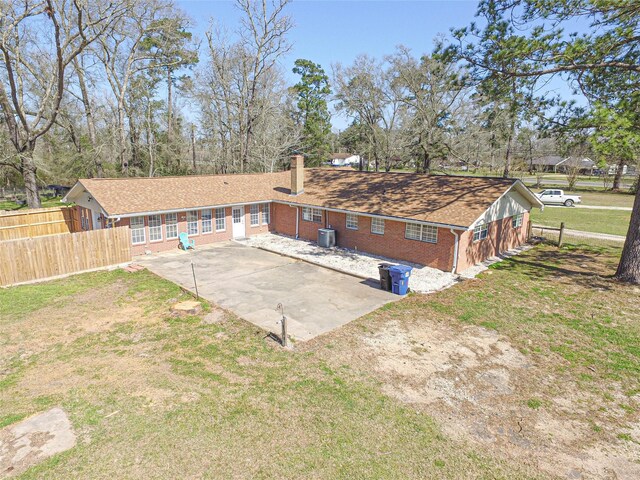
point(561, 234)
point(283, 333)
point(193, 270)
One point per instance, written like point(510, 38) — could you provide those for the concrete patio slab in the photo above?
point(251, 283)
point(33, 440)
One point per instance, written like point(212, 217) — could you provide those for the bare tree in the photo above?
point(124, 59)
point(38, 41)
point(368, 95)
point(241, 92)
point(433, 91)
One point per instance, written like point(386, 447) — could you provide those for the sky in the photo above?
point(331, 31)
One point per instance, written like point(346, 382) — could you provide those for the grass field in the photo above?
point(539, 359)
point(155, 396)
point(46, 202)
point(600, 198)
point(614, 222)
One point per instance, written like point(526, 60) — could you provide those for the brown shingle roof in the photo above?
point(124, 196)
point(438, 199)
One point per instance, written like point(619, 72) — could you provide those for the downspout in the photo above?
point(297, 222)
point(456, 247)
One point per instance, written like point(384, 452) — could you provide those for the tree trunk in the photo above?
point(169, 108)
point(152, 162)
point(425, 167)
point(193, 148)
point(134, 139)
point(122, 140)
point(617, 180)
point(88, 113)
point(629, 266)
point(507, 157)
point(28, 169)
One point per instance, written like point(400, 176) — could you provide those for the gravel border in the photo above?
point(365, 265)
point(362, 265)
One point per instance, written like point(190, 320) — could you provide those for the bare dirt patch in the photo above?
point(482, 389)
point(95, 310)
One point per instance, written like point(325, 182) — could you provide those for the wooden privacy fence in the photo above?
point(29, 259)
point(38, 222)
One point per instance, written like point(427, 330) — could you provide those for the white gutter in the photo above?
point(456, 249)
point(386, 217)
point(297, 222)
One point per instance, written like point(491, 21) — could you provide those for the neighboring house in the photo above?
point(547, 163)
point(582, 165)
point(557, 164)
point(344, 160)
point(449, 223)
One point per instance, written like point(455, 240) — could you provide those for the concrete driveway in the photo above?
point(251, 283)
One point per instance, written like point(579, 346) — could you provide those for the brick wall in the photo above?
point(392, 244)
point(200, 238)
point(501, 237)
point(284, 222)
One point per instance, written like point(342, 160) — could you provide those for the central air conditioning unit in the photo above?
point(326, 237)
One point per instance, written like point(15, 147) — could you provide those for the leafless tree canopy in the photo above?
point(122, 87)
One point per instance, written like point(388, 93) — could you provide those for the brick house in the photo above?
point(449, 223)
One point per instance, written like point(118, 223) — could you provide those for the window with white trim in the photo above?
point(171, 225)
point(377, 225)
point(516, 221)
point(221, 222)
point(136, 224)
point(480, 232)
point(206, 221)
point(352, 221)
point(192, 222)
point(266, 213)
point(310, 214)
point(155, 228)
point(255, 215)
point(423, 233)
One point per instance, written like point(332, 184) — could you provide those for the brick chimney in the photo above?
point(297, 174)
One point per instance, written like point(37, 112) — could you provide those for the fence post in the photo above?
point(529, 230)
point(561, 234)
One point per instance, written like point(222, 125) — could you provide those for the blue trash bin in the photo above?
point(400, 278)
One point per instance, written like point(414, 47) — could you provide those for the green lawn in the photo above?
point(598, 197)
point(614, 222)
point(46, 202)
point(155, 396)
point(561, 301)
point(572, 383)
point(608, 199)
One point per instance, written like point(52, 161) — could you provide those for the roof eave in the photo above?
point(527, 193)
point(71, 192)
point(364, 214)
point(78, 189)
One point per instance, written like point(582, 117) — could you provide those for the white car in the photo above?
point(558, 197)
